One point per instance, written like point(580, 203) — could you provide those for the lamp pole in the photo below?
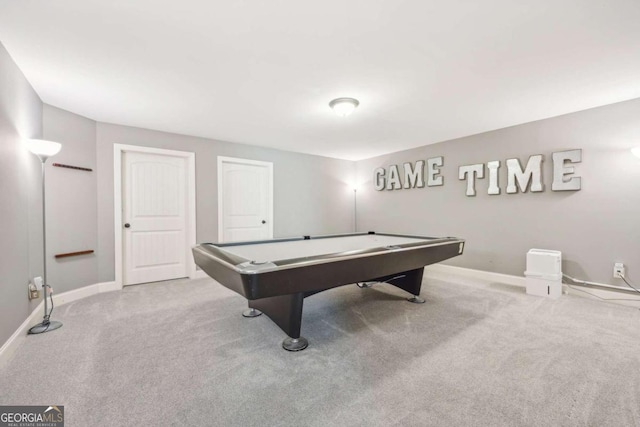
point(355, 210)
point(44, 247)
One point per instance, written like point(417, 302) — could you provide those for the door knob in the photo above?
point(264, 222)
point(127, 225)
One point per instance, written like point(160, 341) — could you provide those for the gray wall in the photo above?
point(72, 202)
point(311, 194)
point(593, 227)
point(20, 210)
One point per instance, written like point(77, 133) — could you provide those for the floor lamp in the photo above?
point(44, 149)
point(355, 209)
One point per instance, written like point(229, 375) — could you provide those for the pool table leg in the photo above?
point(251, 312)
point(411, 282)
point(286, 312)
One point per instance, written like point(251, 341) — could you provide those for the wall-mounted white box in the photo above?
point(544, 273)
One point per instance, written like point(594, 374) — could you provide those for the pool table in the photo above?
point(275, 276)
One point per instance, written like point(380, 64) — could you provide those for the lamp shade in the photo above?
point(43, 148)
point(344, 106)
point(636, 151)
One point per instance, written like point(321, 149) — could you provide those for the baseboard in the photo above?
point(86, 291)
point(108, 287)
point(437, 270)
point(9, 347)
point(442, 271)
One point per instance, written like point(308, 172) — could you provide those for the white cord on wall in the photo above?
point(602, 285)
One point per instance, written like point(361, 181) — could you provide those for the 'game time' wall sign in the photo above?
point(520, 179)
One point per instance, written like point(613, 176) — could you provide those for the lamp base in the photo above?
point(45, 327)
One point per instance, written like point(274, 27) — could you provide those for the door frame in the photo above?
point(269, 166)
point(190, 208)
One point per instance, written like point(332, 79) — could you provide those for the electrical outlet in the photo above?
point(33, 292)
point(618, 270)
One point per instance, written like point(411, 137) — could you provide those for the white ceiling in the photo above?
point(263, 72)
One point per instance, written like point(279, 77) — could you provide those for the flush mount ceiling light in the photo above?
point(344, 106)
point(636, 151)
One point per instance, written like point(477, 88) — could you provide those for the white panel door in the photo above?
point(245, 197)
point(154, 217)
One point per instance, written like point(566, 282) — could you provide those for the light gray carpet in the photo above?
point(180, 353)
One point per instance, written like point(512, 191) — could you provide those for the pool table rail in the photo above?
point(318, 273)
